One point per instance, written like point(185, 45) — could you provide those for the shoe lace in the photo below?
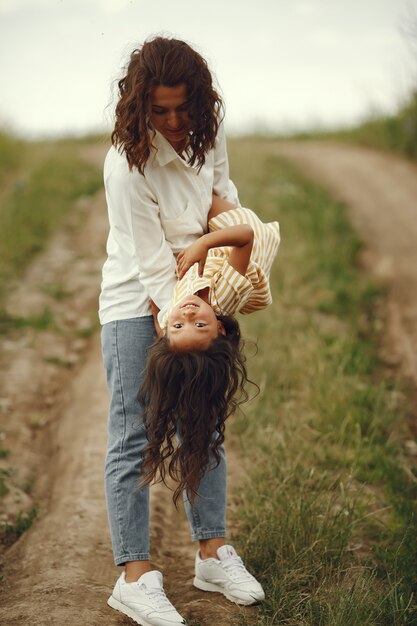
point(236, 569)
point(158, 598)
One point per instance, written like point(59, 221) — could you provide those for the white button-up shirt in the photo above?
point(152, 217)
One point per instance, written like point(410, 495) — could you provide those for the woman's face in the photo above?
point(169, 114)
point(192, 325)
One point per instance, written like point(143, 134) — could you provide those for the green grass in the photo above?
point(92, 325)
point(327, 514)
point(53, 178)
point(4, 452)
point(4, 475)
point(12, 153)
point(54, 360)
point(56, 291)
point(395, 133)
point(23, 522)
point(42, 321)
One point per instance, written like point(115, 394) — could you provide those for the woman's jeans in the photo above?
point(125, 344)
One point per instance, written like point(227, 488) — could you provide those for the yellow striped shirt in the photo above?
point(230, 292)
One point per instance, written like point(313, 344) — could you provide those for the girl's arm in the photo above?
point(240, 237)
point(155, 311)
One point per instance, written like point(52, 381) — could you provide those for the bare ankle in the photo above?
point(209, 547)
point(135, 569)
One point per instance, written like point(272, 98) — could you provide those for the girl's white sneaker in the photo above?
point(145, 601)
point(229, 576)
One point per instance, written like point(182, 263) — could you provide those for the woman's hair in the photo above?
point(190, 394)
point(168, 62)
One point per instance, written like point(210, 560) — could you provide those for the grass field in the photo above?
point(327, 513)
point(40, 183)
point(395, 133)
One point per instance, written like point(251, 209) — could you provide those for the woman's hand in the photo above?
point(196, 253)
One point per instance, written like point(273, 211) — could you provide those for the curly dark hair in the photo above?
point(168, 62)
point(190, 394)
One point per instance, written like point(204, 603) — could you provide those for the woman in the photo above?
point(168, 157)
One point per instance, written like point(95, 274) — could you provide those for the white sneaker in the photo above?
point(228, 576)
point(145, 601)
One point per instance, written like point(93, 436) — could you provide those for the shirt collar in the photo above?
point(163, 152)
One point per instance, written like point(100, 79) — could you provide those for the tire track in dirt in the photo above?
point(380, 191)
point(59, 570)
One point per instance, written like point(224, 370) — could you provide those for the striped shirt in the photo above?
point(230, 292)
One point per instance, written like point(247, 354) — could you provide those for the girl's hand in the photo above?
point(196, 253)
point(155, 311)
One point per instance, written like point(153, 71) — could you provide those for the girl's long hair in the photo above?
point(190, 394)
point(168, 62)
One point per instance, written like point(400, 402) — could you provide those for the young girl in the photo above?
point(196, 372)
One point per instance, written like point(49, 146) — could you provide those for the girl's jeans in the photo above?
point(124, 345)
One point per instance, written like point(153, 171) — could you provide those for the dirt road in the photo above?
point(380, 191)
point(60, 571)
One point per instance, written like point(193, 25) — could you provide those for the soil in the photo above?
point(53, 399)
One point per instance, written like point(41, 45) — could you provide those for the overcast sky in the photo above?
point(279, 63)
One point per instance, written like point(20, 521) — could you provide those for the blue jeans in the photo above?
point(125, 344)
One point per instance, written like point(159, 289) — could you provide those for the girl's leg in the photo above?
point(125, 344)
point(221, 571)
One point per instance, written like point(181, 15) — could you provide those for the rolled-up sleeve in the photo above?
point(222, 185)
point(229, 290)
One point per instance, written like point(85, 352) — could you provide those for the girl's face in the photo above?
point(192, 325)
point(169, 114)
